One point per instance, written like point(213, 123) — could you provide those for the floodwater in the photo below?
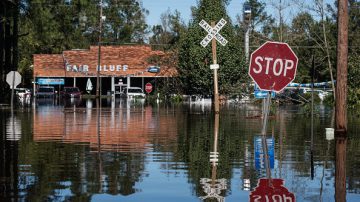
point(70, 150)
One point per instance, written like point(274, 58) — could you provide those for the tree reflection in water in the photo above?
point(142, 151)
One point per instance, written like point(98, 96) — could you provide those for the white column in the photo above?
point(74, 81)
point(142, 83)
point(128, 81)
point(112, 86)
point(34, 87)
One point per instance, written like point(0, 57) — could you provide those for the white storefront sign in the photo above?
point(102, 68)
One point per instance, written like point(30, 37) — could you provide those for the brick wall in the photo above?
point(72, 63)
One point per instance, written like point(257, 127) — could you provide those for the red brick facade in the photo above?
point(115, 61)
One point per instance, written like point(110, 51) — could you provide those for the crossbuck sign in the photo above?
point(213, 32)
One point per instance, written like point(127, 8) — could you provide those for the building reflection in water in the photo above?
point(214, 187)
point(121, 129)
point(118, 137)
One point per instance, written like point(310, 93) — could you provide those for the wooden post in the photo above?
point(216, 93)
point(342, 62)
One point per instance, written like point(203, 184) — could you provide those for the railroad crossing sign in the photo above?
point(213, 32)
point(13, 78)
point(213, 35)
point(273, 66)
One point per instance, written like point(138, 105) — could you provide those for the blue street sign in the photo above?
point(259, 152)
point(262, 94)
point(50, 81)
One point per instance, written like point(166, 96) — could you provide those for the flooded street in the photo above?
point(130, 151)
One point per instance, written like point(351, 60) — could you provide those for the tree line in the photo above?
point(56, 25)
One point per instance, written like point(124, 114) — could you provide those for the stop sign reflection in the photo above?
point(273, 66)
point(271, 190)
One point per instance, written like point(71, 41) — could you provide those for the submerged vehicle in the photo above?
point(71, 92)
point(45, 91)
point(133, 92)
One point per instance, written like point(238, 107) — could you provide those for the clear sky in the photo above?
point(157, 7)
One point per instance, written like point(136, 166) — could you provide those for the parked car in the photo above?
point(22, 92)
point(133, 92)
point(321, 93)
point(71, 92)
point(45, 91)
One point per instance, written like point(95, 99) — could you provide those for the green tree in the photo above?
point(194, 60)
point(167, 35)
point(354, 80)
point(125, 21)
point(54, 26)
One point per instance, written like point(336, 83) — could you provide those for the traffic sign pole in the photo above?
point(12, 90)
point(13, 78)
point(216, 91)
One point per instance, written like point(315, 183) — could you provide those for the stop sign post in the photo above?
point(13, 78)
point(148, 87)
point(273, 66)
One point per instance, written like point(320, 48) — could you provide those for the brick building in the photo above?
point(120, 66)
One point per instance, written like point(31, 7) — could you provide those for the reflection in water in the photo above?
point(161, 153)
point(117, 138)
point(213, 187)
point(271, 190)
point(340, 169)
point(121, 129)
point(259, 152)
point(9, 148)
point(13, 129)
point(268, 189)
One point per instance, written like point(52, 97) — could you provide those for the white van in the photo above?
point(133, 92)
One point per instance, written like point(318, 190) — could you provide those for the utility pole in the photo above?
point(247, 23)
point(342, 63)
point(99, 52)
point(247, 43)
point(280, 22)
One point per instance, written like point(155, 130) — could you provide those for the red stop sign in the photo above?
point(271, 190)
point(273, 66)
point(148, 87)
